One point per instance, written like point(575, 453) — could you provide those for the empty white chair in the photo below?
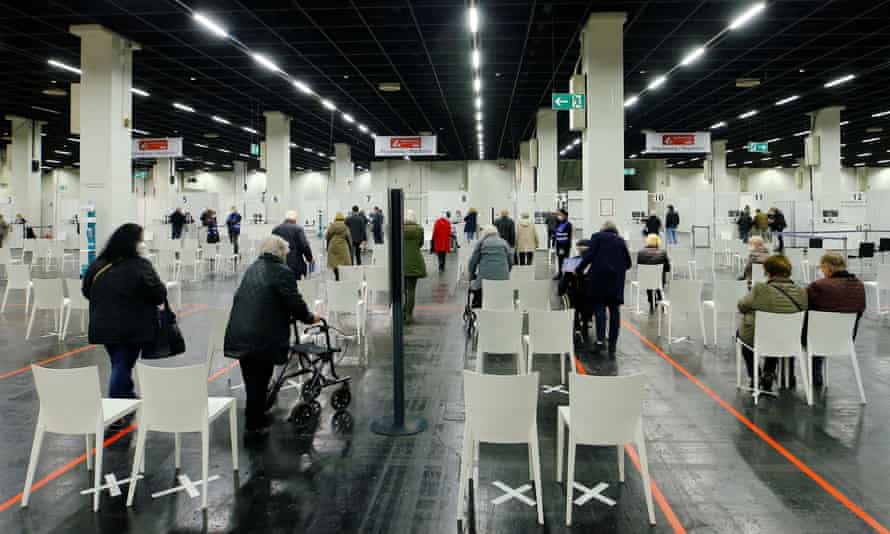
point(71, 403)
point(19, 277)
point(831, 335)
point(346, 297)
point(534, 295)
point(497, 295)
point(602, 410)
point(376, 281)
point(681, 258)
point(499, 332)
point(648, 277)
point(76, 301)
point(881, 284)
point(188, 259)
point(501, 410)
point(685, 297)
point(522, 273)
point(218, 319)
point(727, 294)
point(351, 273)
point(49, 294)
point(776, 335)
point(799, 266)
point(551, 332)
point(228, 257)
point(311, 291)
point(174, 400)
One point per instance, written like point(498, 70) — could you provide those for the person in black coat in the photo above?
point(653, 225)
point(609, 260)
point(300, 253)
point(258, 332)
point(124, 293)
point(470, 222)
point(177, 221)
point(377, 225)
point(506, 228)
point(358, 229)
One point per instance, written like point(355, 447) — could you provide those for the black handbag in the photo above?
point(169, 341)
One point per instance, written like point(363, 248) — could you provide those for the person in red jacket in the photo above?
point(442, 240)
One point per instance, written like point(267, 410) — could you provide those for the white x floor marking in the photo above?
point(112, 484)
point(559, 388)
point(185, 484)
point(595, 493)
point(510, 493)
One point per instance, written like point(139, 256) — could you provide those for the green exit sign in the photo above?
point(254, 149)
point(566, 101)
point(762, 148)
point(630, 171)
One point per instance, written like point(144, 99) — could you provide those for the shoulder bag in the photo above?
point(169, 341)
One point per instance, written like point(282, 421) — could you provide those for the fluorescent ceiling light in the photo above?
point(631, 101)
point(799, 134)
point(859, 164)
point(51, 161)
point(303, 87)
point(718, 125)
point(266, 62)
point(362, 128)
point(748, 114)
point(478, 103)
point(224, 150)
point(731, 165)
point(476, 59)
point(328, 104)
point(765, 159)
point(140, 132)
point(250, 130)
point(62, 152)
point(220, 119)
point(786, 155)
point(838, 81)
point(183, 107)
point(348, 118)
point(882, 161)
point(787, 100)
point(478, 127)
point(844, 123)
point(477, 84)
point(294, 145)
point(65, 66)
point(863, 155)
point(320, 153)
point(243, 155)
point(774, 140)
point(478, 115)
point(218, 30)
point(307, 149)
point(692, 56)
point(656, 83)
point(881, 114)
point(74, 140)
point(746, 16)
point(749, 162)
point(871, 139)
point(632, 156)
point(473, 19)
point(139, 92)
point(577, 141)
point(730, 151)
point(199, 145)
point(39, 108)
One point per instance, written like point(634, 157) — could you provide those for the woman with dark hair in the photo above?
point(124, 293)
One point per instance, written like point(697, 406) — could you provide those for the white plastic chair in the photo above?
point(71, 403)
point(602, 410)
point(188, 259)
point(502, 410)
point(19, 277)
point(376, 281)
point(218, 319)
point(522, 273)
point(349, 273)
point(312, 292)
point(831, 334)
point(551, 332)
point(41, 253)
point(685, 297)
point(76, 301)
point(228, 257)
point(49, 294)
point(497, 295)
point(776, 335)
point(727, 294)
point(174, 400)
point(648, 277)
point(534, 295)
point(681, 256)
point(345, 297)
point(881, 284)
point(499, 332)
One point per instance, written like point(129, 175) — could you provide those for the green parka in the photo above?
point(769, 297)
point(339, 245)
point(415, 267)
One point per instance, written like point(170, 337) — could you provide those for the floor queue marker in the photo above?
point(592, 493)
point(112, 484)
point(512, 493)
point(185, 484)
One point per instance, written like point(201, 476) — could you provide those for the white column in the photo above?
point(164, 199)
point(278, 166)
point(342, 176)
point(106, 62)
point(718, 166)
point(827, 175)
point(547, 159)
point(239, 178)
point(25, 183)
point(602, 166)
point(525, 181)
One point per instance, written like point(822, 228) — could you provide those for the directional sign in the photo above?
point(763, 148)
point(566, 101)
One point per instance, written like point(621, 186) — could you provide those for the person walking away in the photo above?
point(453, 220)
point(4, 230)
point(377, 225)
point(339, 240)
point(777, 225)
point(562, 239)
point(442, 240)
point(470, 222)
point(233, 226)
point(839, 292)
point(177, 222)
point(526, 240)
point(653, 224)
point(258, 332)
point(491, 260)
point(779, 294)
point(671, 222)
point(757, 255)
point(651, 254)
point(608, 260)
point(358, 229)
point(212, 227)
point(745, 222)
point(552, 222)
point(507, 231)
point(124, 293)
point(299, 255)
point(414, 266)
point(761, 223)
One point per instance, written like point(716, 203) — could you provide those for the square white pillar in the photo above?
point(343, 178)
point(548, 165)
point(718, 167)
point(277, 166)
point(25, 183)
point(827, 128)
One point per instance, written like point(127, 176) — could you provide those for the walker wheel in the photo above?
point(342, 421)
point(341, 398)
point(316, 408)
point(311, 390)
point(302, 414)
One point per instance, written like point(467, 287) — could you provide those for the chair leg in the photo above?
point(466, 463)
point(205, 463)
point(65, 320)
point(715, 324)
point(97, 473)
point(32, 461)
point(536, 464)
point(701, 322)
point(233, 433)
point(30, 323)
point(562, 368)
point(808, 374)
point(570, 481)
point(5, 296)
point(620, 462)
point(738, 365)
point(137, 463)
point(177, 450)
point(560, 444)
point(86, 439)
point(644, 467)
point(855, 361)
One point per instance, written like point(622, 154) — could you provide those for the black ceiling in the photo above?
point(344, 49)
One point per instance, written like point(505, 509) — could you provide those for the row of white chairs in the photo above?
point(56, 295)
point(516, 294)
point(47, 252)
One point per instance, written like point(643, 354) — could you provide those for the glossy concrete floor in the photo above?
point(719, 463)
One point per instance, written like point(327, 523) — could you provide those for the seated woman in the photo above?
point(779, 294)
point(651, 254)
point(757, 254)
point(491, 260)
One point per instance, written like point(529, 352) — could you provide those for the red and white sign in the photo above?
point(157, 147)
point(678, 142)
point(405, 145)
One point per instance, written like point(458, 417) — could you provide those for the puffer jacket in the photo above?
point(339, 244)
point(415, 267)
point(491, 260)
point(526, 237)
point(769, 297)
point(655, 256)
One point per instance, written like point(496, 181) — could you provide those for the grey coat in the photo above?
point(491, 260)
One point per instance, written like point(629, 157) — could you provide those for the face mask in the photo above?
point(142, 249)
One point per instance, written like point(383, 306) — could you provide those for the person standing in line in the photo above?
point(777, 225)
point(757, 255)
point(552, 222)
point(299, 255)
point(233, 225)
point(761, 223)
point(340, 244)
point(358, 229)
point(209, 220)
point(491, 260)
point(563, 239)
point(507, 230)
point(442, 240)
point(377, 225)
point(415, 267)
point(609, 261)
point(124, 293)
point(177, 222)
point(653, 224)
point(470, 222)
point(671, 222)
point(258, 331)
point(4, 230)
point(526, 240)
point(745, 222)
point(651, 254)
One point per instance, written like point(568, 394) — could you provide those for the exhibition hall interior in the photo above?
point(438, 266)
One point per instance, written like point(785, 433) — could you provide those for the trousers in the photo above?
point(123, 358)
point(257, 372)
point(357, 253)
point(442, 256)
point(599, 314)
point(410, 290)
point(526, 258)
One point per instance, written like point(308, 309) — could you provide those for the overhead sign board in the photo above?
point(405, 145)
point(630, 171)
point(564, 101)
point(678, 142)
point(157, 147)
point(761, 148)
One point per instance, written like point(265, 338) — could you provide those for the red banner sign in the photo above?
point(678, 139)
point(405, 142)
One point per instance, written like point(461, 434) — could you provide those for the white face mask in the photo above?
point(142, 249)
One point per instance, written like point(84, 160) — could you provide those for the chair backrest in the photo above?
point(77, 300)
point(727, 294)
point(777, 334)
point(649, 276)
point(884, 275)
point(351, 272)
point(174, 399)
point(501, 408)
point(757, 273)
point(500, 332)
point(28, 245)
point(19, 276)
point(377, 278)
point(551, 332)
point(70, 399)
point(218, 319)
point(310, 290)
point(342, 296)
point(42, 247)
point(48, 293)
point(189, 245)
point(686, 295)
point(680, 255)
point(534, 295)
point(5, 256)
point(523, 273)
point(605, 410)
point(497, 295)
point(57, 248)
point(830, 334)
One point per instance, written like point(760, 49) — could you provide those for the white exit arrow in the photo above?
point(560, 101)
